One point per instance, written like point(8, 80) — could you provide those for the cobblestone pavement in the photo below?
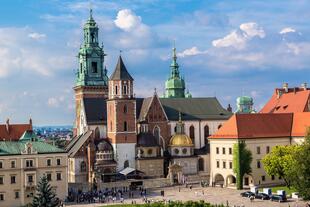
point(209, 194)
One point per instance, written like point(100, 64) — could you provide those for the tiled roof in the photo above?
point(301, 122)
point(194, 109)
point(294, 100)
point(120, 72)
point(15, 148)
point(95, 110)
point(256, 126)
point(14, 132)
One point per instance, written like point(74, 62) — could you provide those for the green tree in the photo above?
point(242, 159)
point(279, 163)
point(45, 196)
point(301, 168)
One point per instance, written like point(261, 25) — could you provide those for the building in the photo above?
point(245, 105)
point(12, 132)
point(23, 162)
point(261, 132)
point(107, 111)
point(288, 100)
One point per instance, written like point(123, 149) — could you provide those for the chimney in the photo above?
point(304, 86)
point(229, 108)
point(7, 125)
point(285, 87)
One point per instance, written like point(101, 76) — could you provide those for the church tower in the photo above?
point(91, 77)
point(175, 85)
point(121, 116)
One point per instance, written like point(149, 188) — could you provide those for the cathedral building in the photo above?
point(115, 130)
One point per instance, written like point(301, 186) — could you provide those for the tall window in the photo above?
point(125, 109)
point(94, 67)
point(125, 126)
point(29, 163)
point(126, 164)
point(81, 67)
point(200, 164)
point(157, 133)
point(13, 164)
point(124, 89)
point(192, 133)
point(206, 133)
point(83, 166)
point(116, 90)
point(97, 133)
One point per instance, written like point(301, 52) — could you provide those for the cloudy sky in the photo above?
point(225, 48)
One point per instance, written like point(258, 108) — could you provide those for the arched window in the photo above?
point(97, 133)
point(192, 133)
point(125, 126)
point(206, 133)
point(126, 164)
point(116, 90)
point(219, 126)
point(125, 109)
point(124, 89)
point(156, 133)
point(83, 166)
point(175, 129)
point(200, 165)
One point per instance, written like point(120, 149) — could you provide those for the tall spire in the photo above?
point(174, 65)
point(180, 125)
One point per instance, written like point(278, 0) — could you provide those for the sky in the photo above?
point(225, 49)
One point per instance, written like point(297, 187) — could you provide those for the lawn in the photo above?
point(171, 204)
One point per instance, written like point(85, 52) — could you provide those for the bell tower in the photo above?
point(121, 116)
point(91, 76)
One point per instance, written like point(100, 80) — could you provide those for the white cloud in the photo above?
point(191, 52)
point(238, 38)
point(53, 102)
point(36, 36)
point(287, 30)
point(127, 20)
point(293, 48)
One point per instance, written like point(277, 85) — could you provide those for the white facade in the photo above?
point(125, 152)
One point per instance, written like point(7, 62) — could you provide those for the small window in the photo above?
point(224, 151)
point(58, 161)
point(150, 151)
point(13, 164)
point(16, 194)
point(230, 164)
point(272, 177)
point(58, 176)
point(125, 109)
point(217, 150)
point(258, 164)
point(48, 162)
point(1, 164)
point(263, 178)
point(1, 180)
point(1, 197)
point(83, 166)
point(29, 163)
point(116, 90)
point(267, 149)
point(224, 164)
point(124, 89)
point(230, 150)
point(94, 67)
point(184, 151)
point(13, 179)
point(258, 150)
point(30, 178)
point(219, 126)
point(176, 151)
point(217, 164)
point(49, 176)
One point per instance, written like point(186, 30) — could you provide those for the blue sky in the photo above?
point(225, 49)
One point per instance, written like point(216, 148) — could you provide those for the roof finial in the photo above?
point(155, 91)
point(120, 52)
point(90, 10)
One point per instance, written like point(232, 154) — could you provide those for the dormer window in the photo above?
point(29, 150)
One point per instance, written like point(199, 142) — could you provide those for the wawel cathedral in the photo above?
point(116, 132)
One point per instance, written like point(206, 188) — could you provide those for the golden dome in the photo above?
point(181, 140)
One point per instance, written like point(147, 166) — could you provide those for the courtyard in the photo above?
point(214, 195)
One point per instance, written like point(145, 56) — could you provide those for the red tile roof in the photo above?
point(294, 100)
point(301, 122)
point(256, 126)
point(13, 131)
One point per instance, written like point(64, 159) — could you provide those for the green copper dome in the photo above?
point(245, 105)
point(175, 85)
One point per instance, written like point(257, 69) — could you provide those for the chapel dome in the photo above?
point(181, 140)
point(146, 139)
point(104, 145)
